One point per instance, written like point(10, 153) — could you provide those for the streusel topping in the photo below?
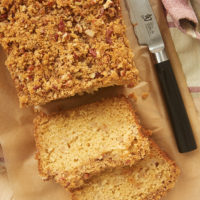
point(59, 48)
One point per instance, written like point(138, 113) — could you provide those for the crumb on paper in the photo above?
point(133, 97)
point(130, 85)
point(2, 166)
point(135, 24)
point(37, 109)
point(145, 95)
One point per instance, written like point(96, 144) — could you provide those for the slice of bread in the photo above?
point(149, 179)
point(79, 143)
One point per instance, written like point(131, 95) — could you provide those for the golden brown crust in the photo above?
point(165, 156)
point(95, 166)
point(57, 49)
point(175, 172)
point(36, 121)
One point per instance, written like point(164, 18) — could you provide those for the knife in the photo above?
point(148, 33)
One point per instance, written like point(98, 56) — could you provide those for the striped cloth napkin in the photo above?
point(184, 15)
point(184, 21)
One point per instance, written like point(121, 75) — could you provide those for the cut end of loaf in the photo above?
point(75, 145)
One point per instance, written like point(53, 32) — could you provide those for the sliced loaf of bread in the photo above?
point(148, 179)
point(77, 144)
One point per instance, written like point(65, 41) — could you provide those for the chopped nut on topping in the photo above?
point(93, 2)
point(128, 162)
point(79, 28)
point(108, 35)
point(61, 26)
point(65, 36)
point(30, 77)
point(36, 87)
point(98, 75)
point(54, 87)
point(51, 4)
point(98, 54)
point(69, 83)
point(23, 8)
point(122, 73)
point(93, 52)
point(89, 33)
point(31, 68)
point(64, 77)
point(86, 176)
point(75, 56)
point(107, 4)
point(60, 33)
point(69, 24)
point(56, 36)
point(92, 75)
point(77, 18)
point(3, 17)
point(101, 12)
point(67, 76)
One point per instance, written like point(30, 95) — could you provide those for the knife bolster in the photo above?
point(161, 56)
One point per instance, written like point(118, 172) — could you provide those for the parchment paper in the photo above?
point(16, 129)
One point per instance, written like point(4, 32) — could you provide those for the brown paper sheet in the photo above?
point(16, 129)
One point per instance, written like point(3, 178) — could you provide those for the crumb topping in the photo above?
point(58, 48)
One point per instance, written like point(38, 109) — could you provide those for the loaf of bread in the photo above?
point(148, 179)
point(57, 48)
point(77, 144)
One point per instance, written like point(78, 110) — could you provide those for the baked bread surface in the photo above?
point(59, 48)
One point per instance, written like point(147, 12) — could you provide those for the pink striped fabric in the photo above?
point(180, 14)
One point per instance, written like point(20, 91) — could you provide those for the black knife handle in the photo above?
point(178, 115)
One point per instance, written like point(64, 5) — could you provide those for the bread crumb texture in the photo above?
point(149, 179)
point(76, 145)
point(59, 48)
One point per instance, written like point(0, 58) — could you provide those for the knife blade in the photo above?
point(148, 33)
